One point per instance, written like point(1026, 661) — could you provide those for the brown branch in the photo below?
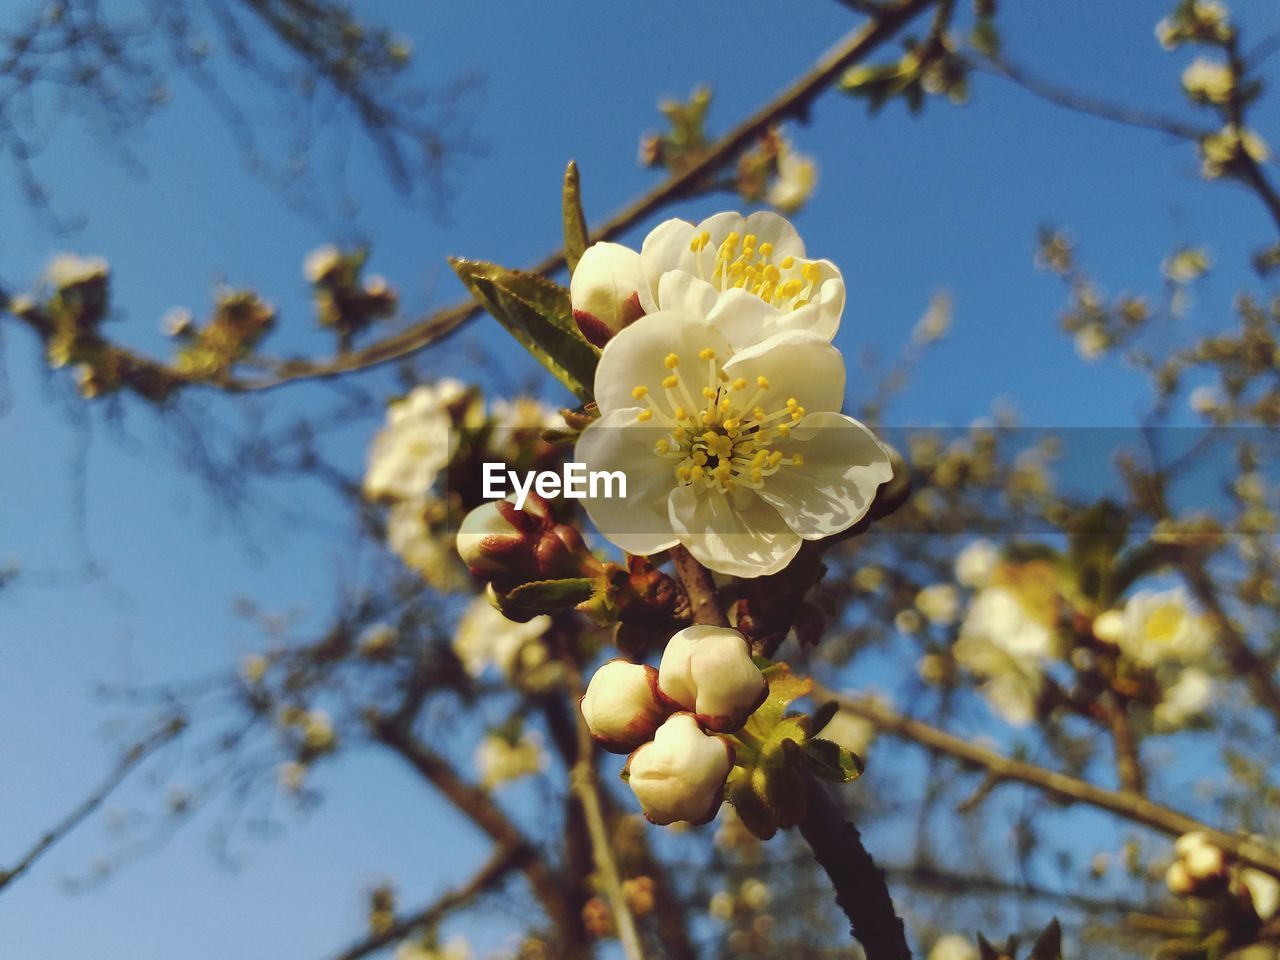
point(480, 808)
point(1235, 113)
point(700, 588)
point(793, 101)
point(1129, 806)
point(586, 786)
point(861, 890)
point(503, 861)
point(1128, 763)
point(1093, 106)
point(859, 884)
point(134, 756)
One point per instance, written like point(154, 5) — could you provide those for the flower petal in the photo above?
point(744, 318)
point(768, 227)
point(638, 522)
point(682, 291)
point(843, 465)
point(796, 364)
point(669, 247)
point(636, 357)
point(745, 537)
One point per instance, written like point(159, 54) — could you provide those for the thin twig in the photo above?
point(586, 787)
point(1093, 106)
point(480, 808)
point(793, 101)
point(503, 861)
point(134, 756)
point(1130, 806)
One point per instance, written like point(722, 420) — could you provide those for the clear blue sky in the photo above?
point(906, 206)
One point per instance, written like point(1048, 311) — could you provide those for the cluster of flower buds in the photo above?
point(1202, 869)
point(671, 720)
point(241, 318)
point(508, 547)
point(1195, 21)
point(344, 302)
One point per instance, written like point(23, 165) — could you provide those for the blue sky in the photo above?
point(906, 206)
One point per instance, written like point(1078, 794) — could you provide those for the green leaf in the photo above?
point(751, 810)
point(832, 762)
point(1048, 945)
point(552, 594)
point(784, 687)
point(536, 312)
point(575, 222)
point(822, 716)
point(985, 950)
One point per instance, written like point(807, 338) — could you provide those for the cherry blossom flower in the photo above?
point(415, 445)
point(1005, 644)
point(683, 266)
point(729, 433)
point(1157, 628)
point(953, 946)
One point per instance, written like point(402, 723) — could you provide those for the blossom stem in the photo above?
point(700, 588)
point(861, 890)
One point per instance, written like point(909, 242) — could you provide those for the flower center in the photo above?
point(1163, 623)
point(720, 430)
point(746, 264)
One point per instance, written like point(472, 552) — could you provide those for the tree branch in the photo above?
point(480, 808)
point(504, 860)
point(134, 756)
point(859, 884)
point(1059, 785)
point(793, 101)
point(586, 787)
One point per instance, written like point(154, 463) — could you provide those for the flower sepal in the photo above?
point(768, 786)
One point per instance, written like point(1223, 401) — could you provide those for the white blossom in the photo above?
point(69, 270)
point(485, 637)
point(500, 761)
point(1003, 643)
point(976, 563)
point(1161, 627)
point(1184, 699)
point(415, 445)
point(940, 603)
point(729, 433)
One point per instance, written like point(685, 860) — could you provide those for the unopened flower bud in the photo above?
point(1179, 881)
point(709, 671)
point(622, 707)
point(953, 947)
point(1263, 890)
point(605, 291)
point(492, 538)
point(680, 774)
point(1109, 627)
